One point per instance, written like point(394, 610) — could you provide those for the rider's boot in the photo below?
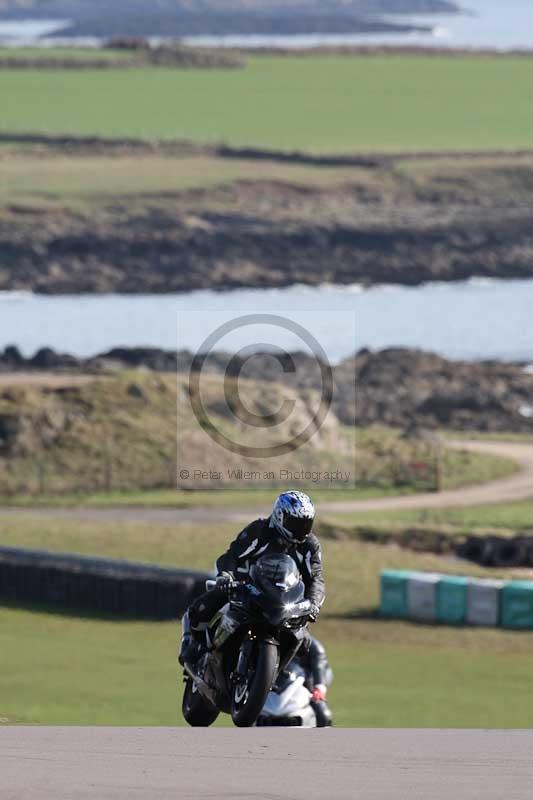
point(324, 717)
point(191, 642)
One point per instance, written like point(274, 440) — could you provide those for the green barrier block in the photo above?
point(517, 605)
point(451, 599)
point(394, 593)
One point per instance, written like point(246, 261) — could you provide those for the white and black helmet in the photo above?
point(292, 516)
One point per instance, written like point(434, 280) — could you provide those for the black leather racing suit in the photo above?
point(312, 658)
point(314, 661)
point(256, 540)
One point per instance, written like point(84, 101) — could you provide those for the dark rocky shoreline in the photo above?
point(407, 389)
point(389, 221)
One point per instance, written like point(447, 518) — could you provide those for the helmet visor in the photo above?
point(299, 527)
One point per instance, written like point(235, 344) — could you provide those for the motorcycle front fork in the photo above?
point(243, 662)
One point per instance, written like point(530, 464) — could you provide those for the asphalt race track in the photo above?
point(38, 763)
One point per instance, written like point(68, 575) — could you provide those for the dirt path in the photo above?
point(503, 490)
point(516, 487)
point(42, 763)
point(49, 380)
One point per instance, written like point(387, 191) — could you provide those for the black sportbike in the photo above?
point(248, 642)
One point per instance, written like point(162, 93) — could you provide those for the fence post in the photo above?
point(439, 466)
point(108, 465)
point(41, 477)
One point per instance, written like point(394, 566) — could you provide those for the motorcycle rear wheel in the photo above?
point(246, 706)
point(198, 713)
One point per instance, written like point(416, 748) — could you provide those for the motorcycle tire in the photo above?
point(509, 553)
point(198, 713)
point(472, 549)
point(246, 709)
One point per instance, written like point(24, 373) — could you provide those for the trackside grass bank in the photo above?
point(459, 470)
point(64, 670)
point(329, 103)
point(116, 433)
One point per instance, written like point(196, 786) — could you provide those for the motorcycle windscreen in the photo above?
point(278, 578)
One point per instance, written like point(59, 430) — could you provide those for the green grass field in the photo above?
point(69, 671)
point(59, 669)
point(326, 103)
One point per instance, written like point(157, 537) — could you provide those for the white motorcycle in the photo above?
point(289, 702)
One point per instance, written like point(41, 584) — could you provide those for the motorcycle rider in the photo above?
point(312, 658)
point(287, 530)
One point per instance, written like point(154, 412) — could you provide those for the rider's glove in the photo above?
point(225, 581)
point(314, 611)
point(319, 693)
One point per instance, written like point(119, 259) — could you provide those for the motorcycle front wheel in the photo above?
point(198, 713)
point(248, 698)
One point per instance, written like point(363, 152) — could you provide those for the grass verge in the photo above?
point(52, 179)
point(178, 498)
point(513, 516)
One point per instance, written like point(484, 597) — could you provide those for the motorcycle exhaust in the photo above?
point(203, 687)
